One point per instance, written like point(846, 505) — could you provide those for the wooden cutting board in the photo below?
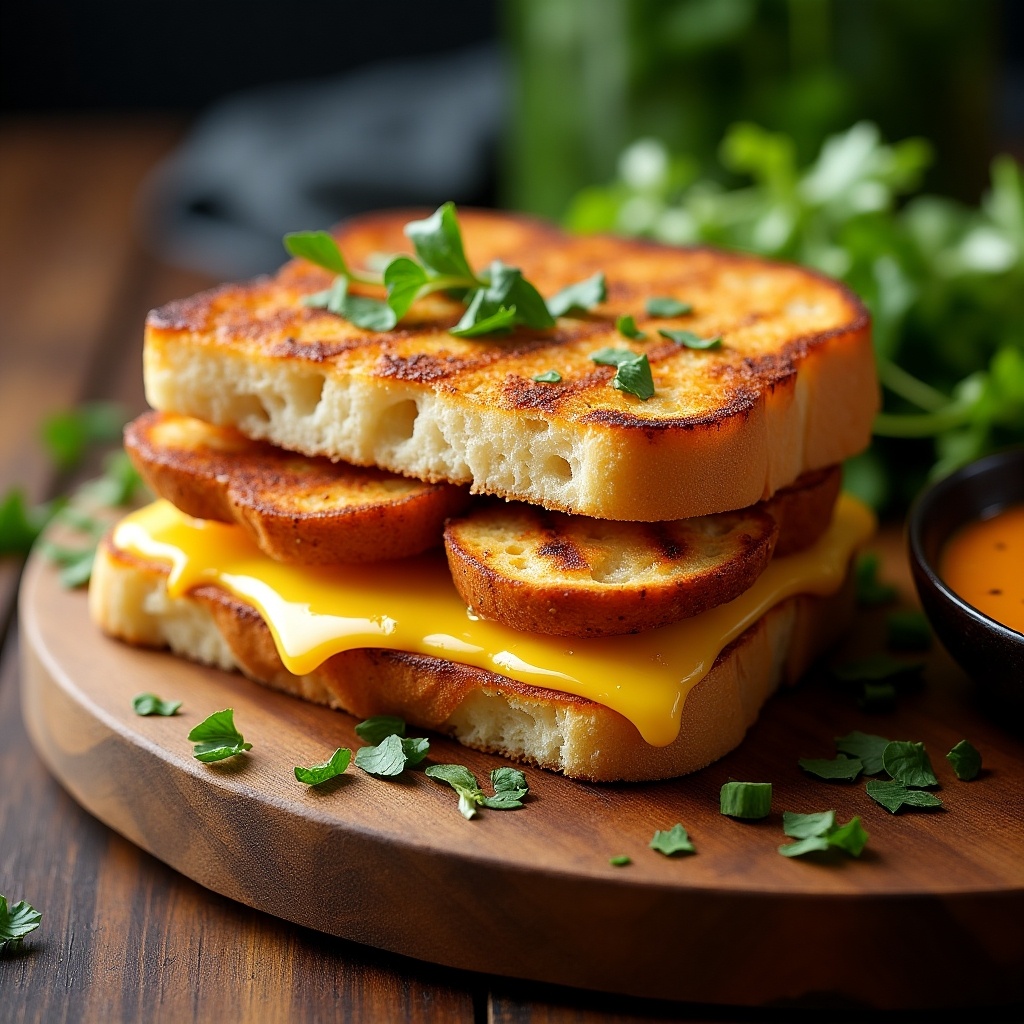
point(932, 914)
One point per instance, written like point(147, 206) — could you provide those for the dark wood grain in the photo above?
point(124, 938)
point(532, 893)
point(67, 256)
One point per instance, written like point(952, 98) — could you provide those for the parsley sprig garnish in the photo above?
point(819, 832)
point(632, 370)
point(496, 299)
point(216, 737)
point(674, 840)
point(510, 787)
point(150, 704)
point(16, 921)
point(330, 769)
point(966, 761)
point(390, 751)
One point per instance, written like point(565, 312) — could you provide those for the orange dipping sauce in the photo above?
point(983, 562)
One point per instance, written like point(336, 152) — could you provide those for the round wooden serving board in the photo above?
point(932, 914)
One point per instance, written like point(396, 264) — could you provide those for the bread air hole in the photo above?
point(399, 421)
point(558, 468)
point(306, 392)
point(250, 407)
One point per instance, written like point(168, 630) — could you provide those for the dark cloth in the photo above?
point(305, 155)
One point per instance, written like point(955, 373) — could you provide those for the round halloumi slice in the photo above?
point(297, 508)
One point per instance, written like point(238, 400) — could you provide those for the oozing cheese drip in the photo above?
point(316, 611)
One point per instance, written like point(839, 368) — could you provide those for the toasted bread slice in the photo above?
point(792, 387)
point(548, 572)
point(481, 709)
point(297, 509)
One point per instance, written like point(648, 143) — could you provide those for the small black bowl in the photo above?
point(989, 652)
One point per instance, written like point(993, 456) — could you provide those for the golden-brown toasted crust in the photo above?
point(548, 572)
point(297, 509)
point(559, 731)
point(791, 389)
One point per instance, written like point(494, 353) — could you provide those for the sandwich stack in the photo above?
point(497, 536)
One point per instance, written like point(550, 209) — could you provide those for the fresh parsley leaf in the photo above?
point(16, 921)
point(907, 630)
point(966, 761)
point(509, 780)
point(438, 242)
point(620, 860)
point(386, 759)
point(870, 592)
point(579, 297)
point(119, 484)
point(818, 831)
point(470, 326)
point(75, 564)
point(613, 356)
point(151, 704)
point(675, 840)
point(850, 837)
point(894, 795)
point(506, 288)
point(21, 524)
point(877, 668)
point(665, 306)
point(548, 377)
point(633, 370)
point(377, 728)
point(749, 800)
point(463, 781)
point(841, 767)
point(626, 326)
point(802, 826)
point(404, 278)
point(867, 748)
point(812, 844)
point(331, 769)
point(908, 763)
point(68, 434)
point(318, 247)
point(415, 749)
point(635, 377)
point(687, 339)
point(78, 519)
point(509, 789)
point(216, 737)
point(370, 314)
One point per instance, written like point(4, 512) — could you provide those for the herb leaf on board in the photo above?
point(151, 704)
point(330, 769)
point(966, 761)
point(216, 737)
point(674, 840)
point(867, 748)
point(908, 763)
point(16, 921)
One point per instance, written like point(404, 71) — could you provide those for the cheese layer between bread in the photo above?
point(314, 612)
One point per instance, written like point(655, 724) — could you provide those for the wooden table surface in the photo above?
point(123, 937)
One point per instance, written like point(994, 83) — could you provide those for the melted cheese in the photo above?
point(412, 605)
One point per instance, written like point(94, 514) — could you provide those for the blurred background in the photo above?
point(877, 140)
